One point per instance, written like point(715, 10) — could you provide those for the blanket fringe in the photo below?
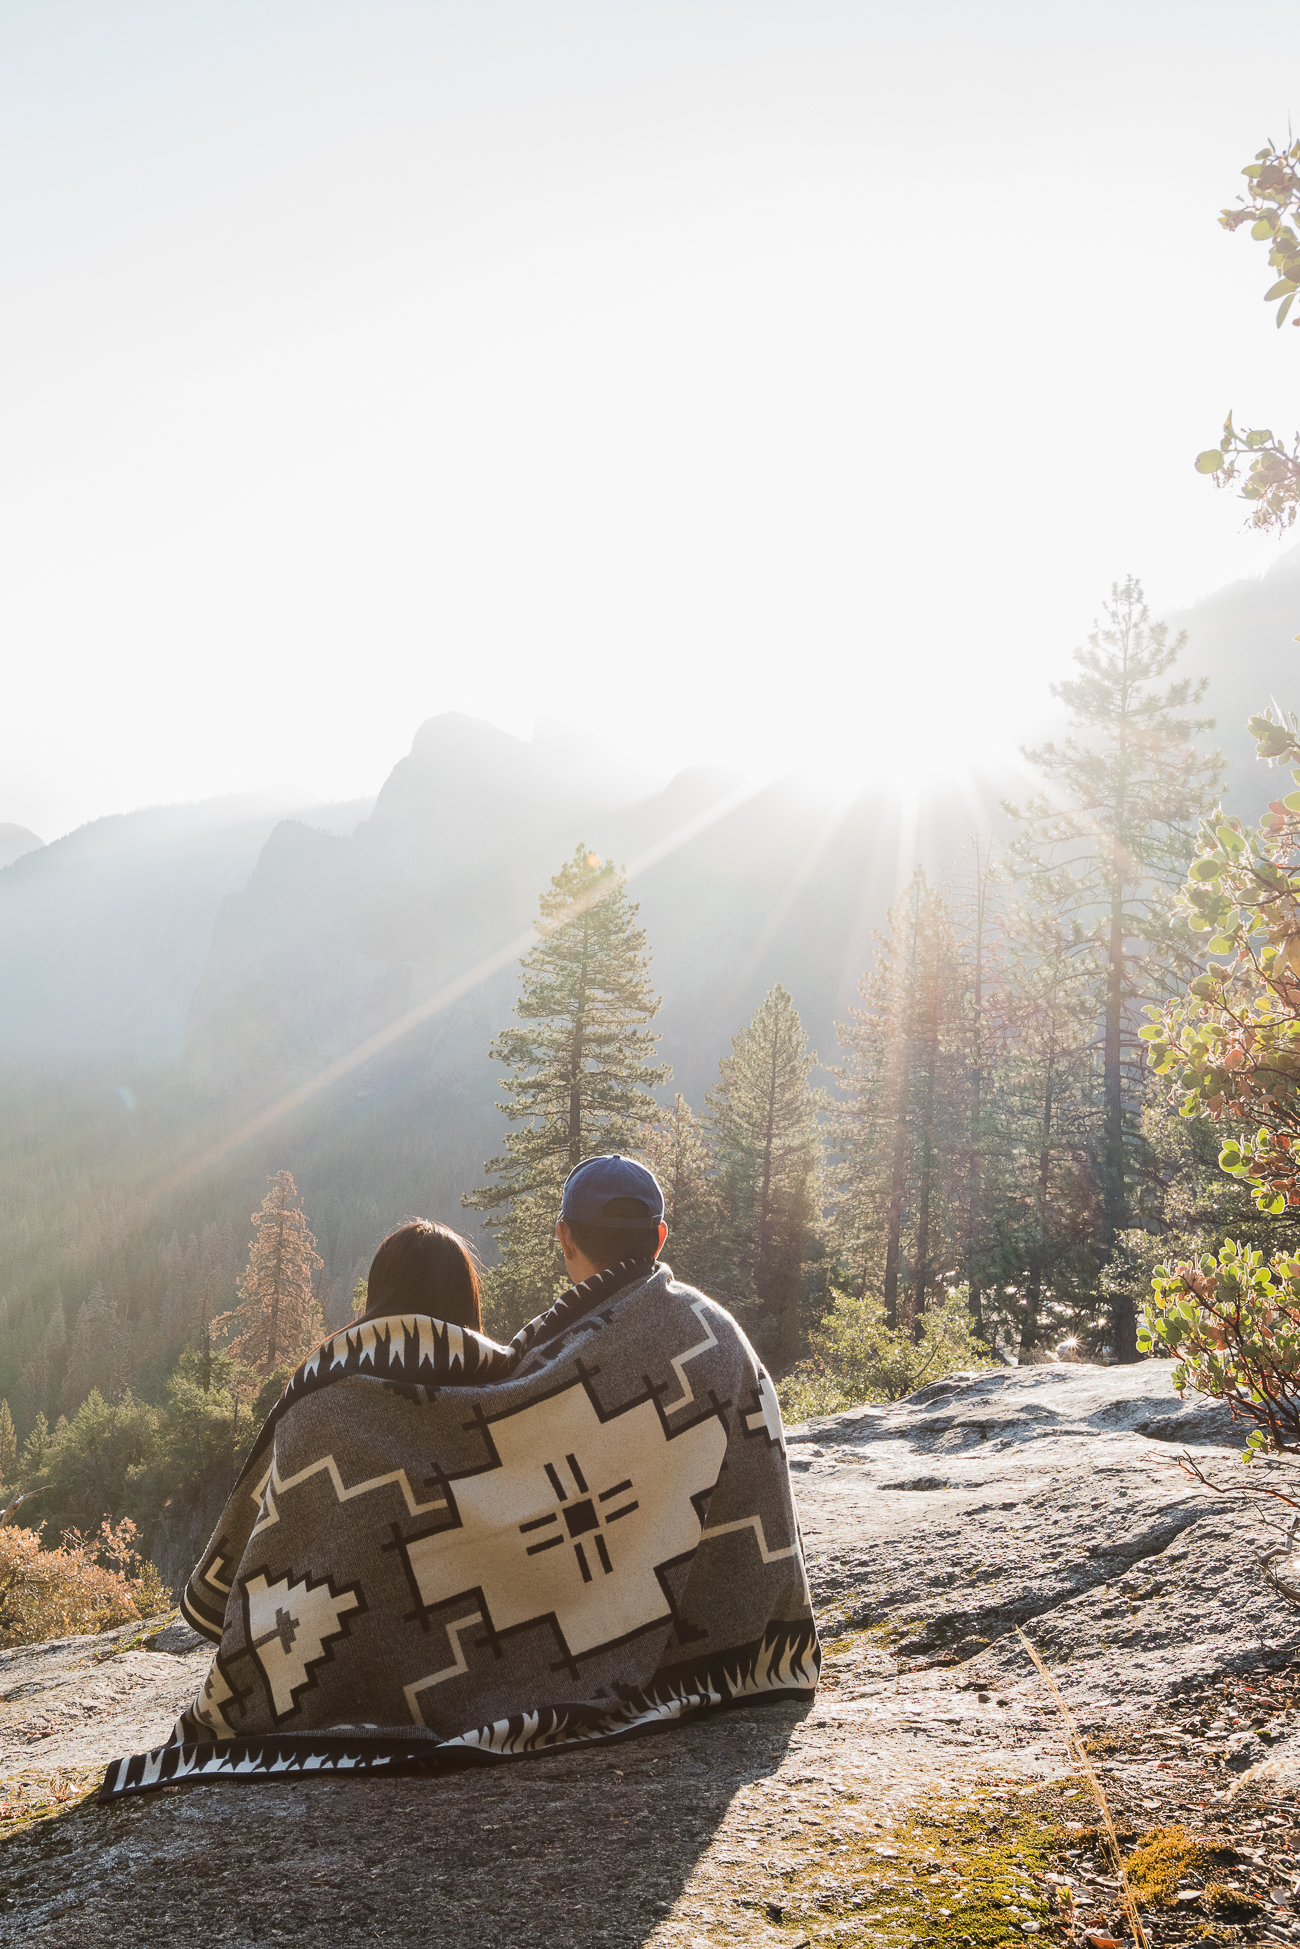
point(784, 1664)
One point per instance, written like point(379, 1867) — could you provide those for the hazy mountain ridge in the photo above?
point(331, 940)
point(104, 932)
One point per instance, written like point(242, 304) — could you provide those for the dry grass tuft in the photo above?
point(1074, 1740)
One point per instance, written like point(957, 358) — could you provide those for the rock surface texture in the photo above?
point(927, 1795)
point(1048, 1497)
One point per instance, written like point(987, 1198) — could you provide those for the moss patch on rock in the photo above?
point(969, 1873)
point(1227, 1904)
point(1160, 1865)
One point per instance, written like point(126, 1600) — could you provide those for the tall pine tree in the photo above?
point(1108, 846)
point(763, 1115)
point(277, 1317)
point(977, 919)
point(579, 1075)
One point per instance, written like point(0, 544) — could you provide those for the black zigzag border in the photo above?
point(783, 1664)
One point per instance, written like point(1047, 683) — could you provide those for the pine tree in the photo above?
point(203, 1338)
point(1046, 1120)
point(902, 1126)
point(677, 1151)
point(8, 1446)
point(579, 1076)
point(763, 1115)
point(978, 919)
point(1110, 845)
point(277, 1317)
point(36, 1448)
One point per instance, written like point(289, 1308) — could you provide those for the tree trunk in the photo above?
point(577, 1055)
point(902, 1105)
point(1029, 1331)
point(1123, 1316)
point(894, 1215)
point(921, 1269)
point(1113, 1188)
point(975, 1174)
point(273, 1337)
point(765, 1195)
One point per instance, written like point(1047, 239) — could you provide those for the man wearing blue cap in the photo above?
point(611, 1216)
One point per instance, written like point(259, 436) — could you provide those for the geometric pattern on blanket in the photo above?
point(440, 1549)
point(538, 1529)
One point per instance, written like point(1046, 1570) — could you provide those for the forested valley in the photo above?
point(987, 1166)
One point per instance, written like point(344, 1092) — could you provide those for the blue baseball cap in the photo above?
point(612, 1191)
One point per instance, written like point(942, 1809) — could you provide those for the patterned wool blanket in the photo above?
point(443, 1548)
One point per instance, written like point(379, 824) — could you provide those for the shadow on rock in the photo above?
point(562, 1852)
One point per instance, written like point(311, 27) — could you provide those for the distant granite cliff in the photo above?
point(333, 938)
point(104, 932)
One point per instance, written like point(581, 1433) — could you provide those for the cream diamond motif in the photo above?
point(575, 1519)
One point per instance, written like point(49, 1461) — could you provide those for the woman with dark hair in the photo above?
point(423, 1267)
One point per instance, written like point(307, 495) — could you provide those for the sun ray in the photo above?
point(442, 998)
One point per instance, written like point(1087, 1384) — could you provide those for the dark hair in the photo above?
point(425, 1268)
point(609, 1245)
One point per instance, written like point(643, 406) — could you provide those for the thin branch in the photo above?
point(1197, 1474)
point(12, 1507)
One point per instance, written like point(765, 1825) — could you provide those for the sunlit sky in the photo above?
point(737, 382)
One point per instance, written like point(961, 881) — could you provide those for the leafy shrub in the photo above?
point(1231, 1050)
point(68, 1591)
point(856, 1357)
point(1233, 1325)
point(1230, 1046)
point(94, 1465)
